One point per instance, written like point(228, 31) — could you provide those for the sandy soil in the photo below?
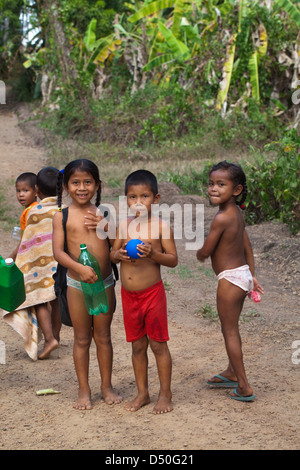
point(202, 418)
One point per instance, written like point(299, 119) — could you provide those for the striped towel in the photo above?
point(35, 260)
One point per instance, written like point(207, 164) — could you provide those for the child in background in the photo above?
point(36, 261)
point(26, 191)
point(48, 319)
point(81, 179)
point(232, 260)
point(143, 294)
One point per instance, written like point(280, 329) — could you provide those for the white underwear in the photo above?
point(240, 277)
point(109, 281)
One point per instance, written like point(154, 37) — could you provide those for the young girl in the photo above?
point(232, 260)
point(81, 179)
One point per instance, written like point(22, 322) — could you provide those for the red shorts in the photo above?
point(145, 313)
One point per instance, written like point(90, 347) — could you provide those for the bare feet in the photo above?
point(111, 397)
point(163, 405)
point(48, 348)
point(84, 401)
point(137, 403)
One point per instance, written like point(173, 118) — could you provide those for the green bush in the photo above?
point(274, 183)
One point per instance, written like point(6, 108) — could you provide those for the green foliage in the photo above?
point(274, 183)
point(79, 13)
point(10, 33)
point(163, 64)
point(174, 115)
point(194, 182)
point(209, 312)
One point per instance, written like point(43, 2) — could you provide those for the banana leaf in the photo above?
point(260, 51)
point(243, 5)
point(158, 62)
point(153, 7)
point(90, 35)
point(104, 47)
point(178, 48)
point(254, 79)
point(291, 9)
point(179, 9)
point(263, 40)
point(227, 73)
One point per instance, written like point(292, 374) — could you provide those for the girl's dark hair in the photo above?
point(78, 165)
point(237, 176)
point(142, 177)
point(46, 180)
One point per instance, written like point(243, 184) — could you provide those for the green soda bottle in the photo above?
point(94, 294)
point(12, 289)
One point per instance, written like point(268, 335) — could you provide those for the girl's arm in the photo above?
point(216, 229)
point(86, 273)
point(250, 261)
point(13, 255)
point(107, 230)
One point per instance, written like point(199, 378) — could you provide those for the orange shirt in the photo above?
point(23, 218)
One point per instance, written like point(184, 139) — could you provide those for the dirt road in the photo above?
point(202, 419)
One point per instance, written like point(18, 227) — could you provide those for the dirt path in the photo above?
point(202, 418)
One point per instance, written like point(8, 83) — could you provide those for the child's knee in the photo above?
point(140, 346)
point(82, 340)
point(158, 348)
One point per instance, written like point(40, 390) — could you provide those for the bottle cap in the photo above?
point(83, 246)
point(9, 261)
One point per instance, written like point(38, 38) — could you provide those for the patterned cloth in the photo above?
point(35, 260)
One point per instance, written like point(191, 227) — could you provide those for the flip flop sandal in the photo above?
point(225, 383)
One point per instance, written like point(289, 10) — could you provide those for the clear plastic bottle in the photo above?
point(94, 294)
point(12, 289)
point(16, 233)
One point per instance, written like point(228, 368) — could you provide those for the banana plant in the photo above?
point(260, 45)
point(221, 103)
point(291, 9)
point(165, 45)
point(226, 75)
point(178, 51)
point(101, 50)
point(155, 7)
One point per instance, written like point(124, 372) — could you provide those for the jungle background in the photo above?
point(171, 86)
point(185, 81)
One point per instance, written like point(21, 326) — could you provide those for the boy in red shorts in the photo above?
point(143, 293)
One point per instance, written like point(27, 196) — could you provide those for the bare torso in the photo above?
point(78, 234)
point(229, 251)
point(141, 273)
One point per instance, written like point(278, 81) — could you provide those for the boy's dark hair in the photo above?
point(46, 181)
point(142, 177)
point(29, 178)
point(237, 176)
point(78, 165)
